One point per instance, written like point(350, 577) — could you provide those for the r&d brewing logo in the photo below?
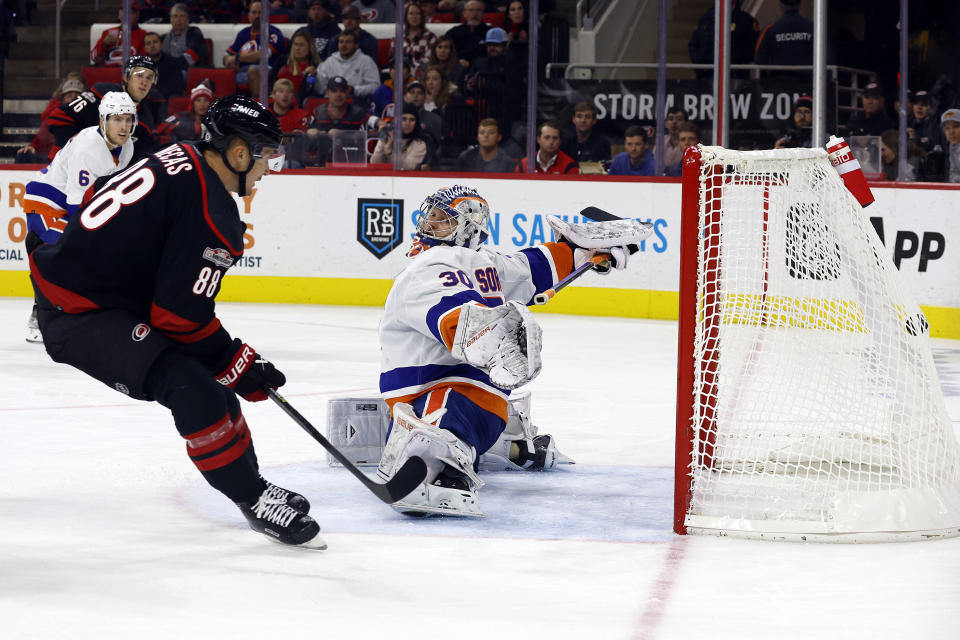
point(379, 225)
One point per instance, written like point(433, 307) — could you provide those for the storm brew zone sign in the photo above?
point(378, 224)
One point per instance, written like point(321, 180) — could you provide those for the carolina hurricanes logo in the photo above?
point(140, 332)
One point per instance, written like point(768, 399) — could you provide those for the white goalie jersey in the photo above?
point(422, 310)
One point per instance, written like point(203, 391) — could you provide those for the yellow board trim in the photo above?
point(369, 292)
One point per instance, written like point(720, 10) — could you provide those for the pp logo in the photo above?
point(140, 332)
point(379, 225)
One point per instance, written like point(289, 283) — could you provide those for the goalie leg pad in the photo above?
point(503, 341)
point(358, 428)
point(519, 448)
point(446, 456)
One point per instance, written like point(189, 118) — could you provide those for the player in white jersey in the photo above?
point(57, 191)
point(455, 338)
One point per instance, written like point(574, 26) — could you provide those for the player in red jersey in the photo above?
point(127, 296)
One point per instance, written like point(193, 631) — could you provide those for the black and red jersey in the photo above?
point(84, 111)
point(155, 240)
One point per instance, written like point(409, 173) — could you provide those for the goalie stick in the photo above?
point(600, 262)
point(406, 479)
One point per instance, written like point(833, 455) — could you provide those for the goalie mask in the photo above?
point(454, 216)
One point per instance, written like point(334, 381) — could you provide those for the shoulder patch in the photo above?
point(218, 256)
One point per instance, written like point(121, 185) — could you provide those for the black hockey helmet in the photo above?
point(242, 117)
point(141, 62)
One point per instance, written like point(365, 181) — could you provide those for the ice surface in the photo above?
point(108, 531)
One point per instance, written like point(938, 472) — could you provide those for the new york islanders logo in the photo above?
point(379, 225)
point(218, 256)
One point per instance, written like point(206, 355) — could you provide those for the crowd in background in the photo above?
point(463, 103)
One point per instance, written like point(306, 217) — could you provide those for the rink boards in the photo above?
point(340, 238)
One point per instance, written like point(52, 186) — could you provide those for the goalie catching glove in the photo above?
point(250, 374)
point(619, 238)
point(503, 341)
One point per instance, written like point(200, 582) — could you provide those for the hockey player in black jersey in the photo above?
point(127, 296)
point(139, 77)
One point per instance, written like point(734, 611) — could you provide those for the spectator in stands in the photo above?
point(443, 55)
point(944, 161)
point(384, 94)
point(171, 72)
point(302, 62)
point(365, 40)
point(432, 124)
point(43, 146)
point(358, 68)
point(376, 10)
point(413, 149)
point(873, 120)
point(293, 122)
point(213, 12)
point(517, 26)
point(244, 54)
point(284, 8)
point(494, 80)
point(429, 8)
point(184, 41)
point(322, 25)
point(584, 144)
point(186, 124)
point(743, 30)
point(417, 39)
point(688, 136)
point(890, 158)
point(550, 159)
point(788, 40)
point(108, 51)
point(801, 133)
point(438, 89)
point(338, 113)
point(470, 37)
point(486, 156)
point(635, 160)
point(672, 151)
point(922, 124)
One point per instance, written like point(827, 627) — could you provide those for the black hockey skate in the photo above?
point(291, 498)
point(543, 457)
point(280, 522)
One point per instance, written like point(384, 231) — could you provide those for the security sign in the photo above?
point(379, 225)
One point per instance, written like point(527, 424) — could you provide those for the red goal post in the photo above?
point(808, 405)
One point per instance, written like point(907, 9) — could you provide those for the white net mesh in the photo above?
point(817, 408)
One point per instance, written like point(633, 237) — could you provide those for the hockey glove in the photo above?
point(250, 374)
point(590, 238)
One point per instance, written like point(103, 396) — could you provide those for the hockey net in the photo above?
point(808, 403)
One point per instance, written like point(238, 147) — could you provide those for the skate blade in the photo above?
point(316, 543)
point(425, 511)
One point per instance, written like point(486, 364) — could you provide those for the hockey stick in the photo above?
point(407, 478)
point(600, 262)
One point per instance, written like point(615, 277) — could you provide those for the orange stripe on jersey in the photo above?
point(437, 399)
point(448, 327)
point(562, 254)
point(52, 217)
point(480, 397)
